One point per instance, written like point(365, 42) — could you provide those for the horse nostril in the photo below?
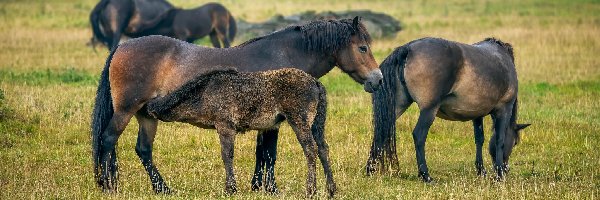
point(380, 81)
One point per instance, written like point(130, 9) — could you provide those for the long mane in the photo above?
point(162, 105)
point(323, 36)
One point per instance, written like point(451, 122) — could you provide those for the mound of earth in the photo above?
point(379, 25)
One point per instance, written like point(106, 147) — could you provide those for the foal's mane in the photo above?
point(504, 45)
point(323, 36)
point(189, 90)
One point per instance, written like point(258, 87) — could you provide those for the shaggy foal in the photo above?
point(232, 102)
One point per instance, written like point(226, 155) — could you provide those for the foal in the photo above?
point(233, 102)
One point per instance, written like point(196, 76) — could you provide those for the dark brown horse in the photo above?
point(233, 102)
point(454, 81)
point(112, 19)
point(153, 66)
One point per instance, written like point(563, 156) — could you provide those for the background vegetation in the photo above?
point(48, 78)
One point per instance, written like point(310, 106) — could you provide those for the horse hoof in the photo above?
point(482, 173)
point(163, 189)
point(272, 189)
point(331, 189)
point(426, 178)
point(255, 185)
point(230, 190)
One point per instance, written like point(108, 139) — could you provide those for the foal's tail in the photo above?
point(95, 21)
point(103, 112)
point(318, 126)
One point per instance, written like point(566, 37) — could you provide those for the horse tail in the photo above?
point(232, 28)
point(384, 104)
point(103, 112)
point(95, 21)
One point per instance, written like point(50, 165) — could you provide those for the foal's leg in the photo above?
point(266, 154)
point(143, 148)
point(323, 150)
point(501, 117)
point(426, 117)
point(304, 136)
point(221, 30)
point(108, 154)
point(478, 129)
point(227, 138)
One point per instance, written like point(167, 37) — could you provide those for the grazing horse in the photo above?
point(454, 81)
point(111, 19)
point(233, 102)
point(153, 66)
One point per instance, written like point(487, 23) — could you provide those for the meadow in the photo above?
point(48, 79)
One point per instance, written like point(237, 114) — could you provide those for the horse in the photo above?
point(110, 19)
point(453, 81)
point(234, 102)
point(153, 66)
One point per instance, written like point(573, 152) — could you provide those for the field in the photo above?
point(48, 79)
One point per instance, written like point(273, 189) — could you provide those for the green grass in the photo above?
point(48, 79)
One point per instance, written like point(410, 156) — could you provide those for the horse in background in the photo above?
point(144, 68)
point(234, 102)
point(112, 19)
point(452, 81)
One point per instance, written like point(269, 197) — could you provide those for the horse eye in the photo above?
point(363, 49)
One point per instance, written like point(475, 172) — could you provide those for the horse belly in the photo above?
point(462, 109)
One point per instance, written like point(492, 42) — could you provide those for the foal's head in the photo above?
point(350, 42)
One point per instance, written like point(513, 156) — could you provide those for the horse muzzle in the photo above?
point(374, 81)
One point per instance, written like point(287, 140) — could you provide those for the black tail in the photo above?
point(384, 102)
point(318, 126)
point(232, 28)
point(103, 112)
point(95, 21)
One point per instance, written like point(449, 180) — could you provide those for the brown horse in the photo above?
point(112, 19)
point(153, 66)
point(233, 102)
point(454, 81)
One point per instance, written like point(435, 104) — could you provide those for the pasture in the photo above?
point(48, 80)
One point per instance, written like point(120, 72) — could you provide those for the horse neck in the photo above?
point(284, 49)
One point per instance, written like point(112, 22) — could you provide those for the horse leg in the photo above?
point(260, 163)
point(306, 140)
point(143, 148)
point(501, 118)
point(270, 156)
point(214, 39)
point(478, 129)
point(108, 154)
point(266, 155)
point(426, 117)
point(222, 34)
point(227, 139)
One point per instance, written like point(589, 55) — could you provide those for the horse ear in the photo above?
point(355, 22)
point(522, 126)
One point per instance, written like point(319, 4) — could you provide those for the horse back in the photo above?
point(145, 11)
point(466, 81)
point(147, 67)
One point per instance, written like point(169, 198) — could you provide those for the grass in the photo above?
point(48, 79)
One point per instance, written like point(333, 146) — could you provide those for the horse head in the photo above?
point(511, 139)
point(357, 59)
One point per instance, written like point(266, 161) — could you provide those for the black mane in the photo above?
point(158, 106)
point(504, 45)
point(323, 36)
